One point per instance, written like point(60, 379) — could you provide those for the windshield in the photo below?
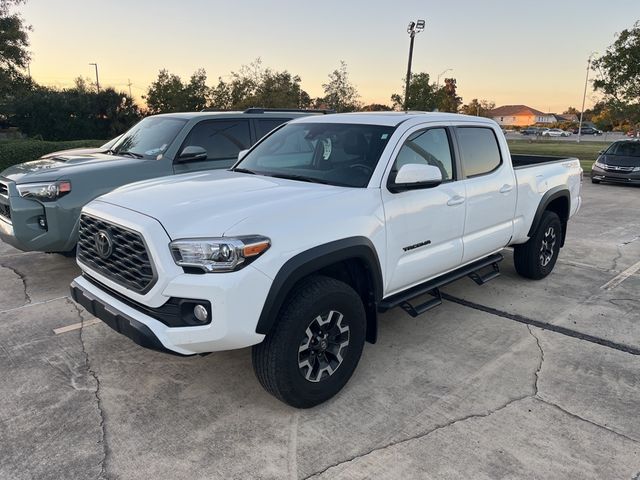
point(110, 143)
point(331, 153)
point(149, 137)
point(624, 149)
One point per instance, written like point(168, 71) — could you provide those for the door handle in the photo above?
point(506, 188)
point(457, 200)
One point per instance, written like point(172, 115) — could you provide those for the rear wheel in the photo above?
point(316, 344)
point(536, 258)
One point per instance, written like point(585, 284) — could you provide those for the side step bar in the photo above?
point(432, 287)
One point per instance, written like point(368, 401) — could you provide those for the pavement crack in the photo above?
point(618, 256)
point(537, 373)
point(591, 422)
point(23, 278)
point(292, 448)
point(103, 431)
point(420, 436)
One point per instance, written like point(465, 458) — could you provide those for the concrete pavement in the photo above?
point(463, 391)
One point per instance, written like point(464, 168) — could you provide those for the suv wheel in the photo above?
point(536, 258)
point(315, 345)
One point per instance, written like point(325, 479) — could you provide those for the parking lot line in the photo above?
point(621, 277)
point(75, 326)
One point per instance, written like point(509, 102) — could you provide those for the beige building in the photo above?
point(520, 116)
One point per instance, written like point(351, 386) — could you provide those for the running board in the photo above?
point(473, 270)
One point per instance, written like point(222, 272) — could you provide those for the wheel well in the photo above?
point(355, 273)
point(560, 206)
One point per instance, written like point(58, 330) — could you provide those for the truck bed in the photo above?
point(524, 161)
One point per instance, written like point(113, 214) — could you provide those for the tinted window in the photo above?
point(265, 126)
point(222, 139)
point(427, 147)
point(479, 150)
point(624, 149)
point(149, 138)
point(333, 153)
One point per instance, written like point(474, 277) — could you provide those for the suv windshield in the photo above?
point(624, 149)
point(149, 137)
point(331, 153)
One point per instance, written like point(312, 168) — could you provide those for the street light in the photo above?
point(97, 81)
point(584, 95)
point(412, 29)
point(442, 73)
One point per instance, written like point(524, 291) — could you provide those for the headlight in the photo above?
point(44, 192)
point(599, 164)
point(223, 254)
point(636, 169)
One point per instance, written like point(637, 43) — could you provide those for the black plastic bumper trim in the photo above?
point(117, 320)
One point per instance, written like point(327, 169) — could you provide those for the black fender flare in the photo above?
point(551, 195)
point(305, 263)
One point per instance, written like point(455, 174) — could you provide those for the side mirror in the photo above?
point(414, 176)
point(192, 153)
point(242, 153)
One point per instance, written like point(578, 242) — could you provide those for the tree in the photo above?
point(166, 94)
point(619, 68)
point(571, 111)
point(376, 107)
point(480, 108)
point(423, 95)
point(339, 93)
point(14, 54)
point(449, 100)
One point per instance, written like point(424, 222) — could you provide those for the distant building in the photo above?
point(520, 116)
point(566, 117)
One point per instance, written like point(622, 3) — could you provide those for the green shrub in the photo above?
point(18, 151)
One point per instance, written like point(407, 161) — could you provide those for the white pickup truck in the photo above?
point(321, 225)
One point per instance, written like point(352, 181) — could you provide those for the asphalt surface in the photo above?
point(472, 389)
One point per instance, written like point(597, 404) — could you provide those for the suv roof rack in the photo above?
point(288, 110)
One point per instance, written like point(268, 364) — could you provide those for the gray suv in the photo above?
point(40, 201)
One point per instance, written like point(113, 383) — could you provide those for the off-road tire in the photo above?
point(536, 258)
point(276, 361)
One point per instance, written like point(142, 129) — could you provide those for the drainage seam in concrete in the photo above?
point(544, 325)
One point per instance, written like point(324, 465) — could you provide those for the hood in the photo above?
point(73, 151)
point(620, 160)
point(54, 168)
point(210, 203)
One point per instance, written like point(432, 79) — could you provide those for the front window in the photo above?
point(149, 138)
point(624, 149)
point(331, 153)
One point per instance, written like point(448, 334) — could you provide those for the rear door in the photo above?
point(425, 226)
point(222, 139)
point(491, 191)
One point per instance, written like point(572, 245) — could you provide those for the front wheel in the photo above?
point(536, 258)
point(595, 181)
point(315, 345)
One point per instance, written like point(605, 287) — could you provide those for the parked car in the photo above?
point(588, 131)
point(619, 163)
point(82, 151)
point(532, 131)
point(40, 201)
point(555, 132)
point(320, 226)
point(633, 133)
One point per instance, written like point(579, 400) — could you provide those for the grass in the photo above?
point(586, 152)
point(18, 151)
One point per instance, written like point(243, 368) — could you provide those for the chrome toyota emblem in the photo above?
point(104, 244)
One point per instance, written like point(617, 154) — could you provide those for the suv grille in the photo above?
point(121, 256)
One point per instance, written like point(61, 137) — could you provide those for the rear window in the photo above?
point(479, 150)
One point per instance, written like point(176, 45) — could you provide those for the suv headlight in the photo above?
point(45, 191)
point(223, 254)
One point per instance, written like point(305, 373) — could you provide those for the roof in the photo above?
point(391, 119)
point(515, 110)
point(236, 114)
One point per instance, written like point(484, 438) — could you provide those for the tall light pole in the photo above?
point(97, 81)
point(412, 29)
point(584, 95)
point(440, 74)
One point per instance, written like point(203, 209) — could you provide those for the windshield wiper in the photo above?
point(302, 178)
point(130, 154)
point(243, 170)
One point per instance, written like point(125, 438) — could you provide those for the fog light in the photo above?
point(42, 221)
point(201, 313)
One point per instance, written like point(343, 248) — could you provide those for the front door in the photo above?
point(425, 226)
point(222, 139)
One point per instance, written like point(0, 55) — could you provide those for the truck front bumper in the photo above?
point(20, 224)
point(235, 299)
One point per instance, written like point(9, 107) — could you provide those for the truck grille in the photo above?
point(5, 211)
point(116, 252)
point(4, 190)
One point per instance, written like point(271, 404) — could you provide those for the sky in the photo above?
point(509, 52)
